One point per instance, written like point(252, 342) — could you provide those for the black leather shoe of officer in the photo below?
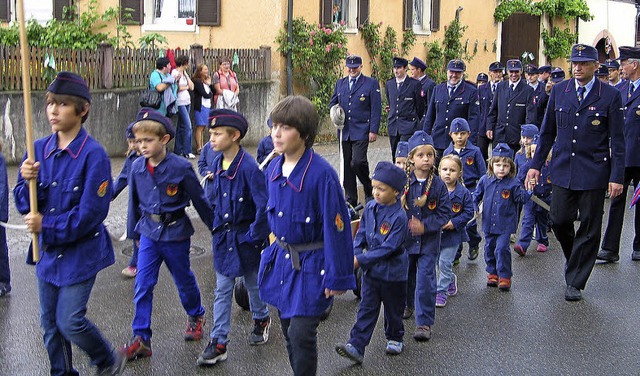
point(572, 294)
point(635, 255)
point(608, 256)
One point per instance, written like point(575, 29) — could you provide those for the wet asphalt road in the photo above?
point(530, 330)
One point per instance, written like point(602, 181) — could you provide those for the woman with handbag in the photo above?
point(226, 81)
point(183, 100)
point(161, 80)
point(203, 92)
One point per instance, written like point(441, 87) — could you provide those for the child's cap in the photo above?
point(129, 131)
point(528, 130)
point(418, 139)
point(269, 122)
point(223, 117)
point(147, 113)
point(459, 125)
point(502, 150)
point(402, 151)
point(390, 174)
point(68, 83)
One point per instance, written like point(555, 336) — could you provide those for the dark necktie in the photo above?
point(511, 89)
point(352, 82)
point(399, 85)
point(581, 90)
point(493, 88)
point(451, 88)
point(631, 89)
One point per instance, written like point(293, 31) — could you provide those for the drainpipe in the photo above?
point(289, 58)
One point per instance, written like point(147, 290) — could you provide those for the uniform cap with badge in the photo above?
point(482, 77)
point(419, 138)
point(583, 52)
point(544, 69)
point(612, 63)
point(602, 71)
point(627, 52)
point(514, 65)
point(528, 130)
point(224, 117)
point(390, 174)
point(129, 131)
point(496, 66)
point(402, 151)
point(67, 83)
point(502, 150)
point(531, 69)
point(418, 63)
point(353, 61)
point(557, 75)
point(147, 113)
point(459, 125)
point(456, 65)
point(399, 62)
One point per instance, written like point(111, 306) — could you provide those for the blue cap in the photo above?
point(531, 69)
point(129, 131)
point(224, 117)
point(602, 71)
point(390, 174)
point(612, 63)
point(147, 113)
point(269, 122)
point(456, 65)
point(496, 66)
point(583, 52)
point(502, 150)
point(67, 83)
point(629, 53)
point(354, 61)
point(482, 77)
point(544, 69)
point(418, 63)
point(514, 65)
point(459, 125)
point(528, 130)
point(557, 75)
point(402, 151)
point(418, 139)
point(535, 140)
point(399, 62)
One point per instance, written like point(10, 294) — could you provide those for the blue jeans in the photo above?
point(175, 255)
point(301, 336)
point(223, 301)
point(183, 131)
point(62, 317)
point(445, 263)
point(532, 216)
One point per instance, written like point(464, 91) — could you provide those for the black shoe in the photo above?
point(607, 256)
point(635, 255)
point(572, 294)
point(213, 353)
point(260, 334)
point(119, 363)
point(473, 252)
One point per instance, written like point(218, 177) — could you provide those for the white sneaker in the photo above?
point(191, 156)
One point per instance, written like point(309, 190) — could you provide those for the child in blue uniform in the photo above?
point(474, 168)
point(5, 271)
point(502, 194)
point(206, 168)
point(522, 161)
point(312, 258)
point(426, 201)
point(161, 186)
point(379, 251)
point(401, 154)
point(453, 232)
point(74, 192)
point(119, 185)
point(239, 230)
point(265, 147)
point(533, 215)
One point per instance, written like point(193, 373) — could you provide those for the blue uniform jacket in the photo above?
point(540, 99)
point(623, 86)
point(461, 213)
point(362, 107)
point(589, 142)
point(473, 165)
point(307, 207)
point(74, 193)
point(167, 192)
point(379, 242)
point(239, 223)
point(121, 181)
point(502, 198)
point(434, 214)
point(406, 107)
point(265, 147)
point(206, 166)
point(632, 128)
point(508, 113)
point(426, 92)
point(463, 103)
point(485, 96)
point(522, 164)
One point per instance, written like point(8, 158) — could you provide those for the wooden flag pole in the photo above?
point(26, 90)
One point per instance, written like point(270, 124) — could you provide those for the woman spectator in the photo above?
point(203, 91)
point(183, 125)
point(226, 79)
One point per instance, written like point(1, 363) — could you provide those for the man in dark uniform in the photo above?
point(585, 120)
point(406, 106)
point(512, 106)
point(610, 249)
point(417, 68)
point(614, 73)
point(539, 93)
point(485, 96)
point(481, 79)
point(360, 98)
point(603, 73)
point(544, 72)
point(452, 99)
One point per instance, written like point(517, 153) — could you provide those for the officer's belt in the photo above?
point(295, 249)
point(232, 227)
point(166, 218)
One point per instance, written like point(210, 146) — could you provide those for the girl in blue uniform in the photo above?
point(502, 194)
point(379, 251)
point(426, 201)
point(5, 272)
point(311, 259)
point(522, 161)
point(453, 232)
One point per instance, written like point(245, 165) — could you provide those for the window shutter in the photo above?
point(208, 12)
point(407, 15)
point(136, 12)
point(4, 10)
point(326, 12)
point(435, 15)
point(363, 12)
point(58, 8)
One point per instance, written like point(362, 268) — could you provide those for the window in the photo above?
point(422, 16)
point(5, 11)
point(169, 15)
point(350, 13)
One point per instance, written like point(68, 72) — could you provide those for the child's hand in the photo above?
point(448, 226)
point(416, 226)
point(33, 222)
point(29, 170)
point(329, 293)
point(355, 263)
point(210, 175)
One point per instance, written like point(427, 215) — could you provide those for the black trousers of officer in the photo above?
point(485, 145)
point(394, 140)
point(611, 239)
point(356, 165)
point(580, 248)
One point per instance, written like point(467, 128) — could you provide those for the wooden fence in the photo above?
point(108, 67)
